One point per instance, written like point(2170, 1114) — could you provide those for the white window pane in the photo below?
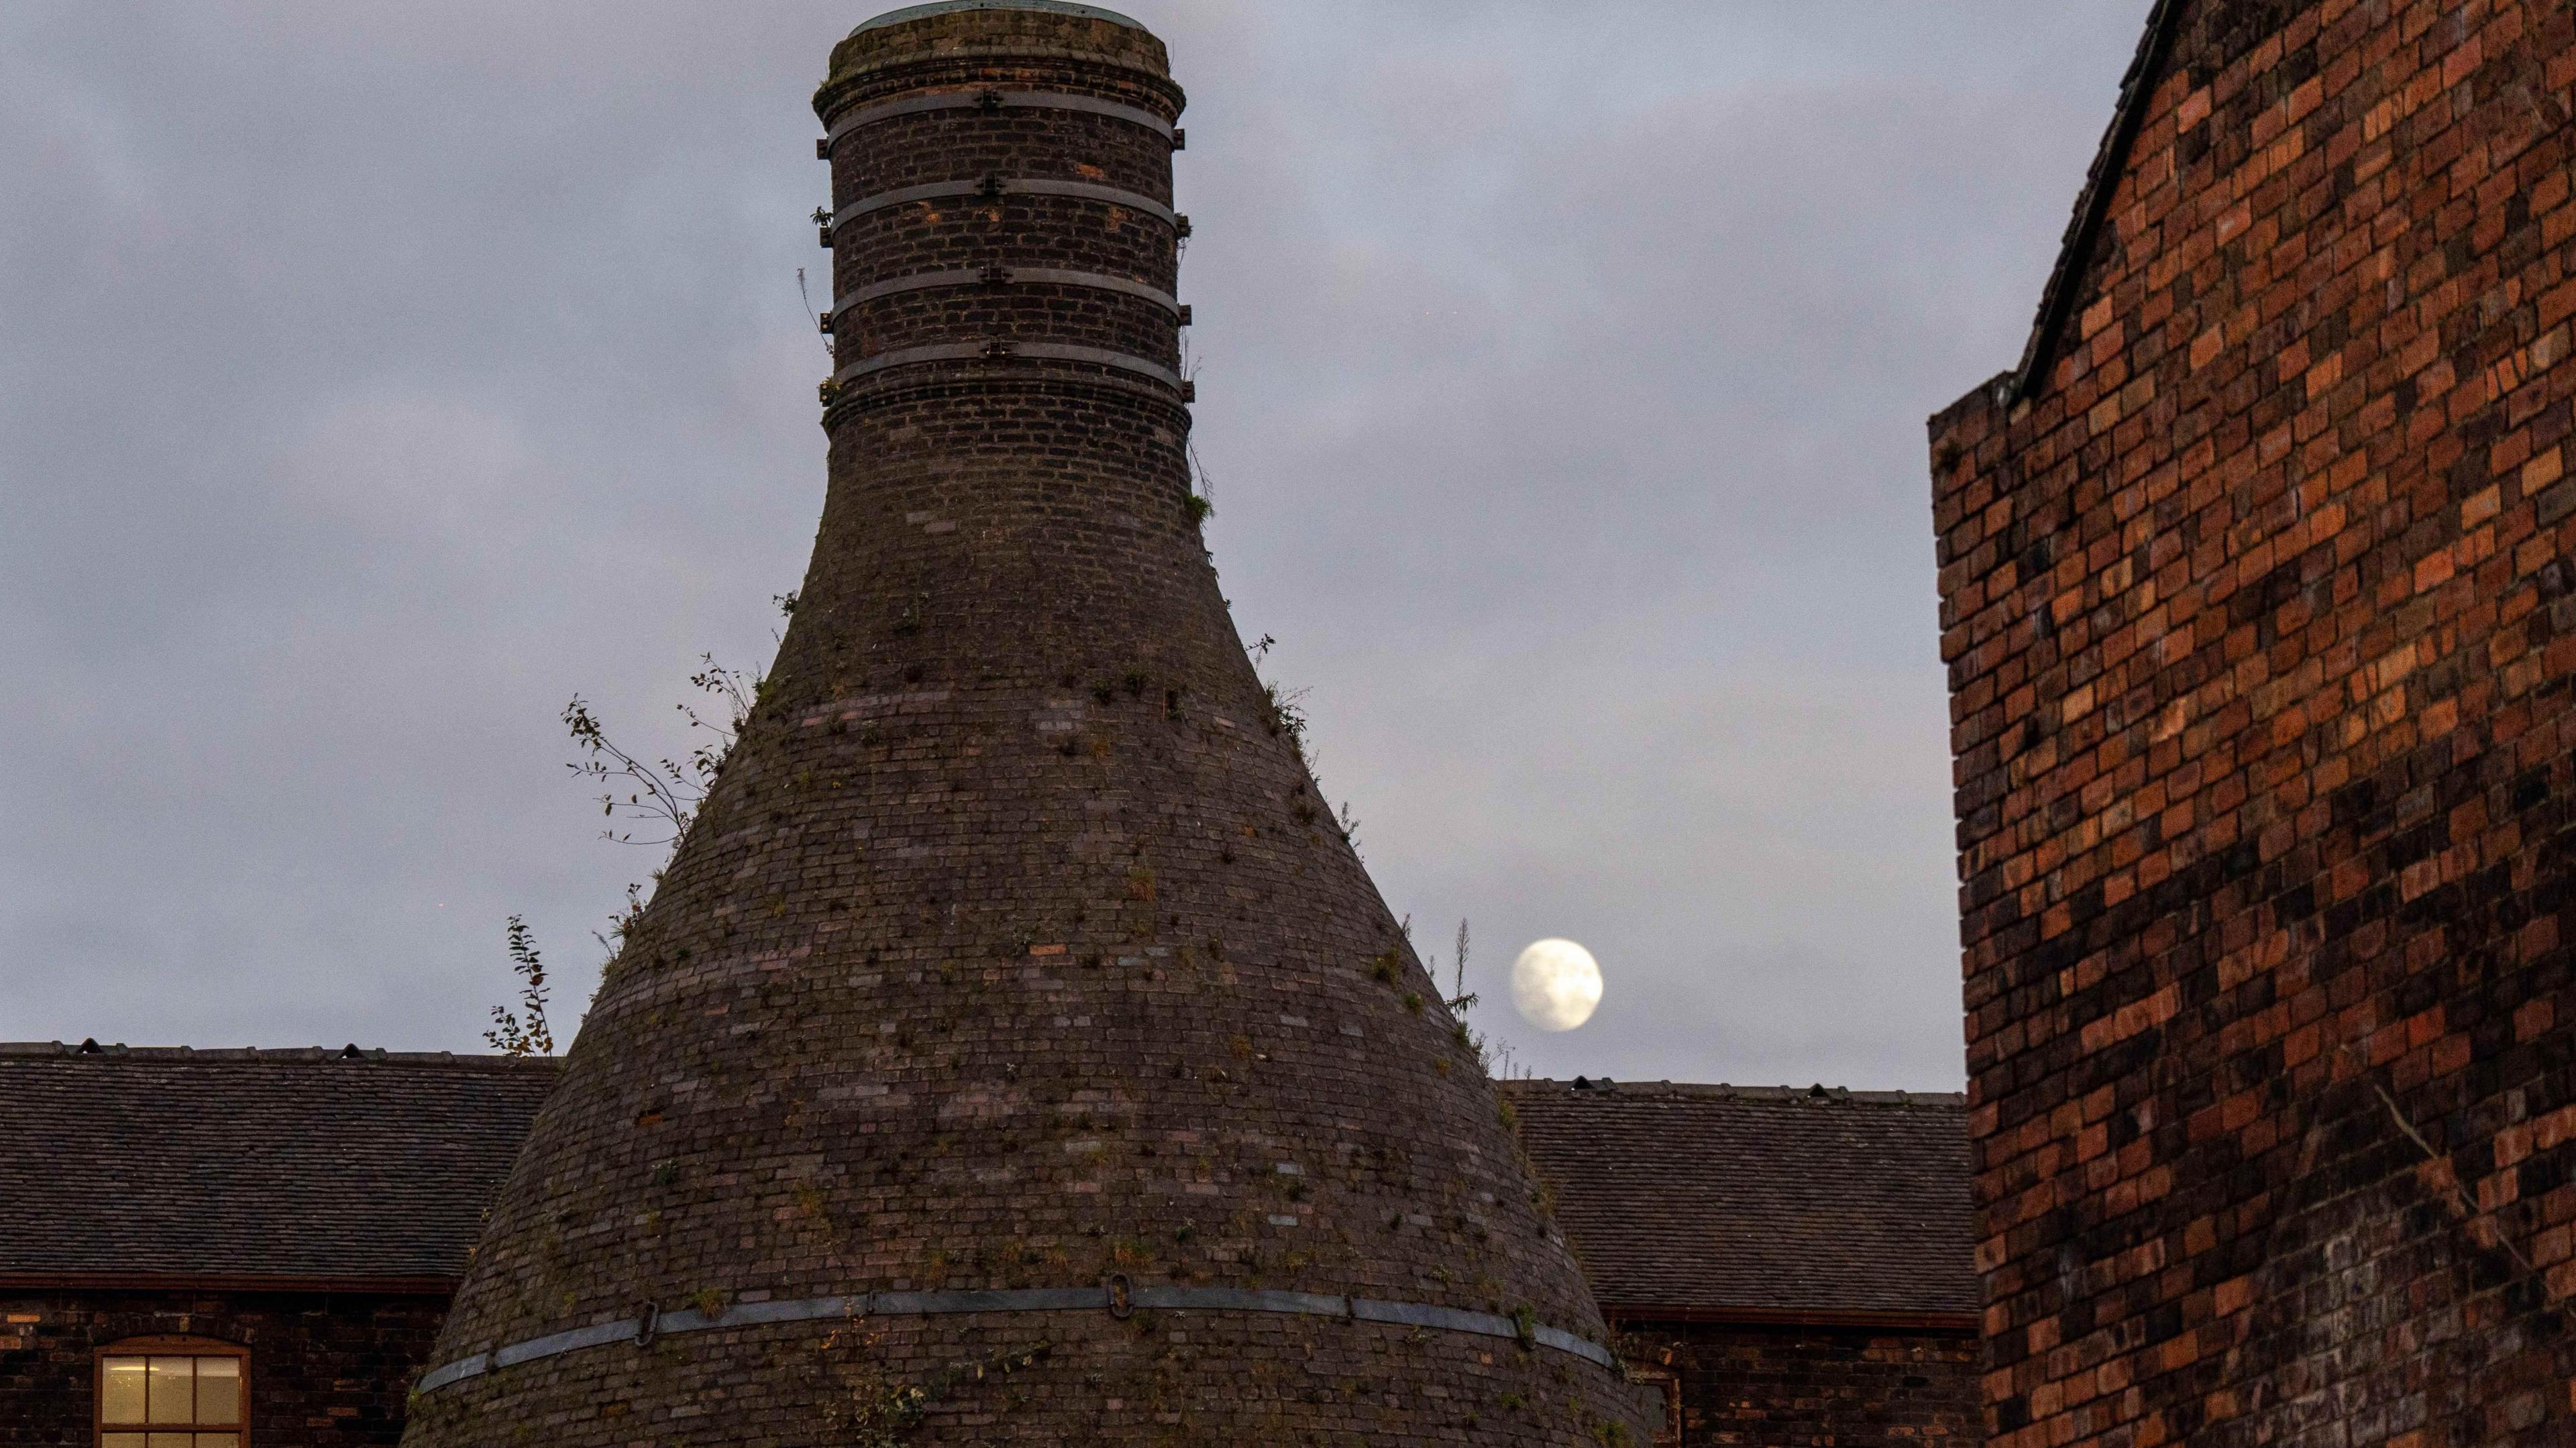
point(120, 1440)
point(174, 1398)
point(219, 1440)
point(121, 1394)
point(218, 1392)
point(171, 1440)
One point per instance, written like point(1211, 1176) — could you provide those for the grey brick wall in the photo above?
point(1014, 947)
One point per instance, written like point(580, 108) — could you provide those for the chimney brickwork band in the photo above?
point(1014, 988)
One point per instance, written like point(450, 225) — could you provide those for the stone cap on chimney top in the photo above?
point(949, 7)
point(990, 28)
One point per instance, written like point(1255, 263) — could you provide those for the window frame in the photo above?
point(1666, 1378)
point(193, 1347)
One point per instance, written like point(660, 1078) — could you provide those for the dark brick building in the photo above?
point(2261, 620)
point(1788, 1266)
point(201, 1249)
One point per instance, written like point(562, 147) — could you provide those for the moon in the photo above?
point(1555, 985)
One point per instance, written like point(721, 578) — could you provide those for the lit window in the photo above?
point(172, 1395)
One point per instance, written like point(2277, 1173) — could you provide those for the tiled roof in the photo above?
point(1776, 1201)
point(178, 1163)
point(297, 1163)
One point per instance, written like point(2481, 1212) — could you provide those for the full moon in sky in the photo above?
point(1555, 985)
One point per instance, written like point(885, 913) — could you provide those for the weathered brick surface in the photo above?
point(2260, 620)
point(1014, 947)
point(1791, 1384)
point(326, 1369)
point(1088, 316)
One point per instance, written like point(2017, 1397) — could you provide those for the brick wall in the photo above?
point(325, 1369)
point(2260, 620)
point(1853, 1387)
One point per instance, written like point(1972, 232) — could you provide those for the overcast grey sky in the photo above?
point(375, 376)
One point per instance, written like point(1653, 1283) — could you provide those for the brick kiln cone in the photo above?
point(1014, 1052)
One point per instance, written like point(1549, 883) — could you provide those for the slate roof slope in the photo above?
point(1766, 1201)
point(157, 1163)
point(2093, 203)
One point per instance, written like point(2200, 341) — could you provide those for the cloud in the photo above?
point(376, 378)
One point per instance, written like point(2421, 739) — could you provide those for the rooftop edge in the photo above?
point(1820, 1094)
point(92, 1049)
point(946, 7)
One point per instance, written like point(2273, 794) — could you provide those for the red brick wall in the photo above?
point(1852, 1387)
point(2261, 619)
point(326, 1370)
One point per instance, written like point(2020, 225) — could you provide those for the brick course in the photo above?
point(2260, 619)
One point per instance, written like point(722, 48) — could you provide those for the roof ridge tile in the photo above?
point(274, 1055)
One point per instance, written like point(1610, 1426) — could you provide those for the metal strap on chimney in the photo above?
point(996, 100)
point(1001, 350)
point(1043, 1299)
point(1000, 186)
point(1009, 276)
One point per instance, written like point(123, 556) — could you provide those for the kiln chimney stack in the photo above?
point(1014, 1051)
